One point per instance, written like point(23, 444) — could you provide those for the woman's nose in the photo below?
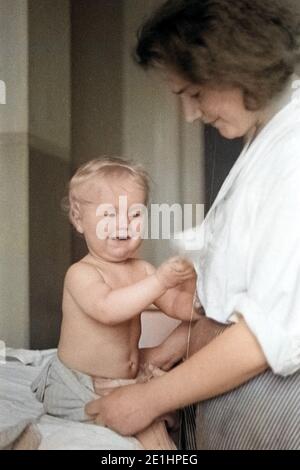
point(191, 109)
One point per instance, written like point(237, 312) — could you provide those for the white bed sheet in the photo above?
point(19, 407)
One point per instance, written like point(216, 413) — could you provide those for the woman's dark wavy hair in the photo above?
point(249, 44)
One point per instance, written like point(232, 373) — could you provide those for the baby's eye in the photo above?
point(109, 214)
point(135, 214)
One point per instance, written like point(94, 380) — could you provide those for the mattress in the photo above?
point(23, 423)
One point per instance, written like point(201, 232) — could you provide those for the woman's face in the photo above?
point(223, 109)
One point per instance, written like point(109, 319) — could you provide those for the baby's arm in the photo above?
point(178, 301)
point(113, 306)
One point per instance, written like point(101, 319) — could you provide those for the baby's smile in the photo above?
point(121, 238)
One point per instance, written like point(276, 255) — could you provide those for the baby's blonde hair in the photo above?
point(104, 166)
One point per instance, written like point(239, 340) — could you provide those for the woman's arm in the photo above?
point(228, 361)
point(185, 339)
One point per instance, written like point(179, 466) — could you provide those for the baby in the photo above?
point(106, 292)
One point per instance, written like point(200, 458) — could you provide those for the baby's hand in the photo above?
point(175, 271)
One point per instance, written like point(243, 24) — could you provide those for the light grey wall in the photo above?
point(34, 167)
point(96, 78)
point(49, 164)
point(14, 257)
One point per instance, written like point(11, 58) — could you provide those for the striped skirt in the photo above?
point(263, 414)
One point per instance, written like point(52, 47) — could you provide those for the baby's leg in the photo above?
point(156, 437)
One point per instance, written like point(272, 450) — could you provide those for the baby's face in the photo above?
point(111, 217)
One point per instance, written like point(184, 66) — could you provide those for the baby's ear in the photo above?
point(75, 216)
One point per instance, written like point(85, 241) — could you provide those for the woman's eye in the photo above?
point(109, 214)
point(135, 214)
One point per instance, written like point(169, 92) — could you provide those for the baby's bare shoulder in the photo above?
point(82, 272)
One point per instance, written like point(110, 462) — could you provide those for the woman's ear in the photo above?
point(76, 216)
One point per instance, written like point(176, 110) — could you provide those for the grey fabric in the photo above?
point(187, 435)
point(63, 392)
point(19, 410)
point(263, 414)
point(9, 435)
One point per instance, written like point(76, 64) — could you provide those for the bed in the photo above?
point(23, 424)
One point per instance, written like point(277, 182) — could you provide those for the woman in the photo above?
point(232, 65)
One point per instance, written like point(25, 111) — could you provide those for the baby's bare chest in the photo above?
point(123, 276)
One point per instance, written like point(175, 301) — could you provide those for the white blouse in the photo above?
point(250, 258)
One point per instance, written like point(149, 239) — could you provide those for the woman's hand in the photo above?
point(127, 410)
